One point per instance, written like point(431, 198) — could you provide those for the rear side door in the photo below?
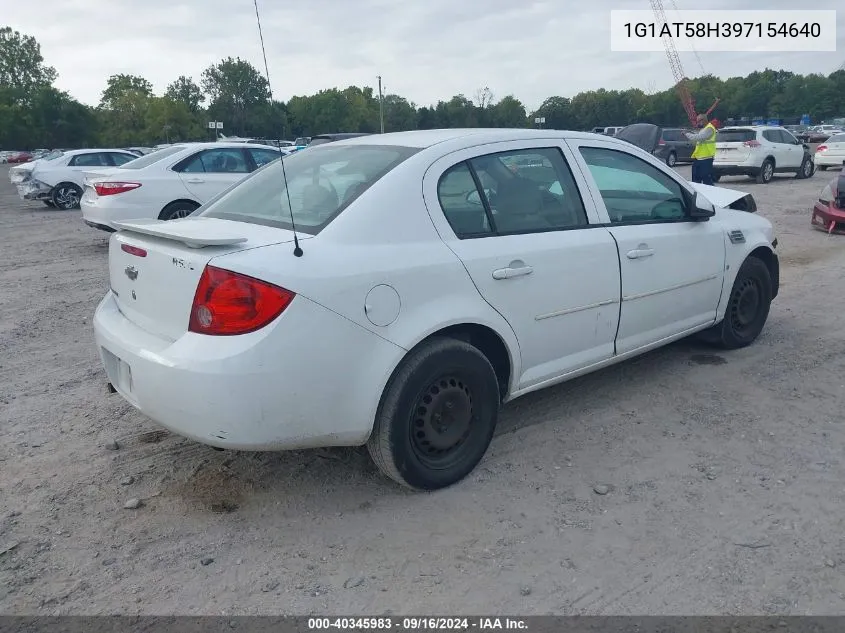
point(683, 146)
point(672, 267)
point(515, 215)
point(210, 171)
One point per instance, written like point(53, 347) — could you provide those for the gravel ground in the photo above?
point(719, 476)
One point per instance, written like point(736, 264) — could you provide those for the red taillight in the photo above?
point(228, 303)
point(752, 143)
point(133, 250)
point(111, 188)
point(661, 142)
point(821, 148)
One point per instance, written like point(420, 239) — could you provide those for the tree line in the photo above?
point(34, 113)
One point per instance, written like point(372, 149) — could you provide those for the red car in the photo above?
point(829, 210)
point(19, 157)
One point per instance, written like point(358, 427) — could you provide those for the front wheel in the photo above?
point(49, 203)
point(437, 415)
point(671, 159)
point(747, 309)
point(66, 196)
point(806, 170)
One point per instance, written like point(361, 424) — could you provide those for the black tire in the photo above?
point(717, 177)
point(66, 196)
point(806, 170)
point(766, 173)
point(747, 310)
point(176, 210)
point(410, 442)
point(49, 203)
point(672, 159)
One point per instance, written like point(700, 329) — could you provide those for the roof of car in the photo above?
point(752, 127)
point(75, 152)
point(427, 138)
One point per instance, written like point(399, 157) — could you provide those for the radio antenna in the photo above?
point(297, 250)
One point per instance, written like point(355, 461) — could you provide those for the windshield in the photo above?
point(56, 153)
point(153, 157)
point(735, 136)
point(320, 184)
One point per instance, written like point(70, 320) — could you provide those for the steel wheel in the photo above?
point(745, 305)
point(442, 421)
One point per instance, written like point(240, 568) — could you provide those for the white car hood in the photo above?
point(719, 196)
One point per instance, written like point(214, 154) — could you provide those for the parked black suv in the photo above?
point(674, 147)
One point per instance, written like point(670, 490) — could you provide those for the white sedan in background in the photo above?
point(56, 178)
point(405, 285)
point(831, 153)
point(169, 183)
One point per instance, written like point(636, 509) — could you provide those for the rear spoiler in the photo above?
point(188, 231)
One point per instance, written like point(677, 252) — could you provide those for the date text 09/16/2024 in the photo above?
point(417, 623)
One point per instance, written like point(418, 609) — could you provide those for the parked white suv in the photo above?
point(760, 151)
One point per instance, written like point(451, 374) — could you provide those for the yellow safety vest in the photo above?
point(706, 149)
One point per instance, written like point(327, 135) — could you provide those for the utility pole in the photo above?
point(380, 105)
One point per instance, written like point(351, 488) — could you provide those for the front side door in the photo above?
point(672, 267)
point(210, 171)
point(796, 149)
point(514, 214)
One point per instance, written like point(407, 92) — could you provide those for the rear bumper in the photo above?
point(724, 169)
point(273, 389)
point(102, 227)
point(829, 161)
point(828, 218)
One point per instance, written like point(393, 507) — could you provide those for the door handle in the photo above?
point(195, 181)
point(510, 273)
point(639, 253)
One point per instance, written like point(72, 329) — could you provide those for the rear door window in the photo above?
point(94, 159)
point(215, 161)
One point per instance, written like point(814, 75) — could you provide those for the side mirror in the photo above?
point(702, 209)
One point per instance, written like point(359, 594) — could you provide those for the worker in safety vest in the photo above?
point(704, 152)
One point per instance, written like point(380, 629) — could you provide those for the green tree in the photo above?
point(123, 110)
point(185, 90)
point(22, 67)
point(235, 88)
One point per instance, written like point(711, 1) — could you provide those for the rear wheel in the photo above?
point(176, 210)
point(717, 177)
point(49, 203)
point(437, 415)
point(748, 307)
point(767, 171)
point(672, 159)
point(66, 196)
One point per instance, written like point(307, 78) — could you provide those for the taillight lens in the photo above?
point(821, 148)
point(752, 143)
point(661, 142)
point(112, 188)
point(228, 303)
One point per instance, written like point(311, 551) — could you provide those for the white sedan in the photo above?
point(56, 178)
point(393, 290)
point(831, 153)
point(169, 183)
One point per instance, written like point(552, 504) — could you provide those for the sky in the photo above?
point(425, 50)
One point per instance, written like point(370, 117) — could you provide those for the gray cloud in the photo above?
point(425, 49)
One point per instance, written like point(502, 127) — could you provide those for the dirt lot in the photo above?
point(723, 472)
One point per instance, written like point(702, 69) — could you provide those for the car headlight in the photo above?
point(826, 196)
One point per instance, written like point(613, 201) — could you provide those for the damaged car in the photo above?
point(56, 179)
point(829, 209)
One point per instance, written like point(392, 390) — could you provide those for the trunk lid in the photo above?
point(644, 135)
point(90, 177)
point(155, 266)
point(731, 145)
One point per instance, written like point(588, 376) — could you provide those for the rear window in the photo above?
point(320, 184)
point(836, 138)
point(153, 157)
point(735, 136)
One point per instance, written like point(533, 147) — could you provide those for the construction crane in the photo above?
point(675, 64)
